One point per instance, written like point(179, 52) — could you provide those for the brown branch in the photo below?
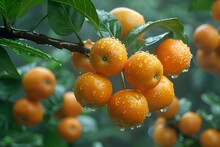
point(13, 34)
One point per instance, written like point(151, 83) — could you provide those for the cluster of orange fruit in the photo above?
point(207, 41)
point(38, 84)
point(145, 72)
point(189, 124)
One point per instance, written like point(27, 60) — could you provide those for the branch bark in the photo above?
point(14, 34)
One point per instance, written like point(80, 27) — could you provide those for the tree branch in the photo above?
point(13, 34)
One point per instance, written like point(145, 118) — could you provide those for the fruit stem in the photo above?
point(122, 80)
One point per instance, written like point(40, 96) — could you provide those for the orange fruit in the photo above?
point(159, 120)
point(38, 83)
point(174, 55)
point(190, 123)
point(206, 37)
point(210, 138)
point(172, 109)
point(161, 96)
point(129, 19)
point(207, 61)
point(127, 108)
point(164, 136)
point(218, 47)
point(108, 56)
point(70, 129)
point(143, 70)
point(92, 90)
point(70, 107)
point(80, 61)
point(215, 9)
point(27, 112)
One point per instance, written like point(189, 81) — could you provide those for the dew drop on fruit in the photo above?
point(164, 109)
point(186, 70)
point(122, 129)
point(149, 114)
point(132, 128)
point(174, 76)
point(138, 126)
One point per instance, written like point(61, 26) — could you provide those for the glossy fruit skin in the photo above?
point(81, 62)
point(38, 83)
point(210, 138)
point(70, 129)
point(171, 111)
point(174, 55)
point(127, 108)
point(129, 19)
point(216, 11)
point(206, 37)
point(92, 90)
point(70, 107)
point(190, 123)
point(143, 70)
point(164, 136)
point(27, 112)
point(108, 56)
point(207, 61)
point(160, 120)
point(160, 96)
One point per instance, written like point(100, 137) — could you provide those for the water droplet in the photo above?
point(138, 126)
point(149, 114)
point(164, 109)
point(122, 129)
point(132, 128)
point(186, 70)
point(174, 76)
point(88, 109)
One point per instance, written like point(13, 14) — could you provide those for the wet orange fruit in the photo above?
point(160, 120)
point(206, 37)
point(70, 129)
point(38, 83)
point(190, 123)
point(143, 70)
point(80, 61)
point(171, 111)
point(92, 90)
point(215, 9)
point(108, 56)
point(210, 138)
point(129, 19)
point(161, 96)
point(174, 55)
point(127, 108)
point(207, 61)
point(27, 112)
point(164, 136)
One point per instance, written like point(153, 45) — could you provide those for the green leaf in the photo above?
point(19, 47)
point(27, 139)
point(17, 8)
point(171, 24)
point(210, 99)
point(86, 7)
point(9, 89)
point(109, 25)
point(7, 67)
point(200, 4)
point(208, 118)
point(63, 19)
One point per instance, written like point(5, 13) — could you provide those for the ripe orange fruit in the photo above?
point(161, 96)
point(216, 11)
point(27, 112)
point(207, 61)
point(210, 138)
point(92, 90)
point(190, 123)
point(171, 111)
point(70, 129)
point(80, 61)
point(218, 47)
point(129, 19)
point(174, 55)
point(206, 37)
point(143, 70)
point(70, 107)
point(38, 83)
point(108, 56)
point(164, 136)
point(159, 121)
point(127, 108)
